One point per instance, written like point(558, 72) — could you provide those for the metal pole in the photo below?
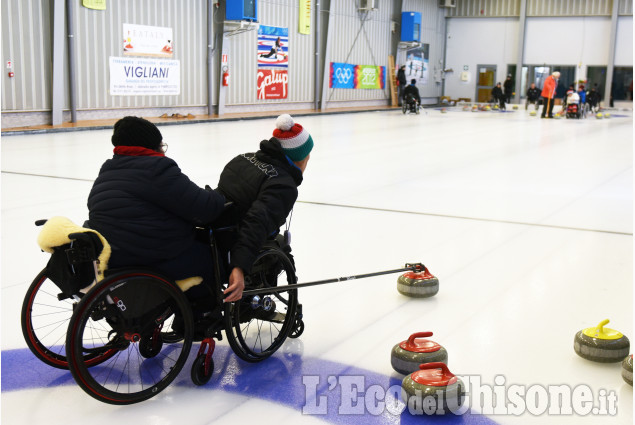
point(316, 103)
point(71, 59)
point(210, 57)
point(611, 64)
point(57, 98)
point(522, 24)
point(283, 288)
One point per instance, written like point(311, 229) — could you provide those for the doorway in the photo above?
point(485, 83)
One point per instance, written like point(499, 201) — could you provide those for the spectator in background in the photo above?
point(401, 82)
point(593, 98)
point(498, 95)
point(508, 88)
point(582, 95)
point(533, 94)
point(548, 92)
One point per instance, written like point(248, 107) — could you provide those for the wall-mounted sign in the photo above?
point(347, 76)
point(304, 21)
point(94, 4)
point(143, 40)
point(272, 84)
point(144, 76)
point(417, 64)
point(273, 47)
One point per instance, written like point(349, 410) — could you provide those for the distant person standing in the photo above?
point(401, 82)
point(548, 92)
point(508, 88)
point(533, 94)
point(498, 95)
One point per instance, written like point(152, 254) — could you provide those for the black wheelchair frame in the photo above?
point(126, 337)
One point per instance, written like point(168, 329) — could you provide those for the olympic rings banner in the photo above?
point(347, 76)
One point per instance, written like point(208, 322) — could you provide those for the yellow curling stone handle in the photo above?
point(601, 332)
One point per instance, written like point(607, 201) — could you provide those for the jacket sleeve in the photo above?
point(175, 192)
point(265, 216)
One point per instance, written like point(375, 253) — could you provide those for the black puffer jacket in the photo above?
point(146, 208)
point(264, 188)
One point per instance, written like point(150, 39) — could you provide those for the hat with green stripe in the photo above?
point(295, 140)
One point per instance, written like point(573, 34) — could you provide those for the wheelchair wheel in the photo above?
point(128, 312)
point(404, 108)
point(200, 374)
point(257, 326)
point(44, 321)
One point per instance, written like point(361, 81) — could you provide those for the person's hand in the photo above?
point(236, 286)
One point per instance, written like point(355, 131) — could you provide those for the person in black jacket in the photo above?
point(497, 95)
point(147, 209)
point(263, 187)
point(413, 91)
point(401, 81)
point(533, 94)
point(508, 88)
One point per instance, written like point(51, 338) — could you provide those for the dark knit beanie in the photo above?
point(135, 131)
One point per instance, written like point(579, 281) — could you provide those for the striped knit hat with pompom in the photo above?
point(295, 140)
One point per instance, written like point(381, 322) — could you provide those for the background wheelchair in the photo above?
point(410, 105)
point(126, 337)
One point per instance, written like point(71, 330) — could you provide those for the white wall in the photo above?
point(574, 41)
point(480, 41)
point(624, 42)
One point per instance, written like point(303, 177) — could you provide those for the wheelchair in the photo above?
point(410, 105)
point(127, 336)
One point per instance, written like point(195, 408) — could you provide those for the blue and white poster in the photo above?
point(273, 47)
point(342, 76)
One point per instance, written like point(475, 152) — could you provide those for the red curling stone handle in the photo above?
point(414, 336)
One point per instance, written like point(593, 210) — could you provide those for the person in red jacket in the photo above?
point(548, 92)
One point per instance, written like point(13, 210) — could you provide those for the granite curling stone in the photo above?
point(600, 344)
point(607, 115)
point(434, 389)
point(532, 113)
point(418, 284)
point(627, 370)
point(406, 356)
point(599, 115)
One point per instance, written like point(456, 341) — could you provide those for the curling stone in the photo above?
point(601, 344)
point(418, 284)
point(496, 107)
point(532, 113)
point(557, 116)
point(434, 388)
point(444, 110)
point(515, 107)
point(599, 115)
point(406, 356)
point(627, 370)
point(607, 115)
point(466, 108)
point(487, 108)
point(475, 108)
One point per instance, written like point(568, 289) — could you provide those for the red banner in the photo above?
point(272, 84)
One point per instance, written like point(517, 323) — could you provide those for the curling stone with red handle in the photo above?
point(422, 284)
point(627, 370)
point(435, 387)
point(406, 356)
point(601, 344)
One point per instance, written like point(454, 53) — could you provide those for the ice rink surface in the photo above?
point(527, 223)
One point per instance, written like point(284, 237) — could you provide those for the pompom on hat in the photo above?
point(295, 140)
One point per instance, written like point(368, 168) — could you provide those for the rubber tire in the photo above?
point(59, 319)
point(198, 371)
point(298, 329)
point(144, 285)
point(232, 311)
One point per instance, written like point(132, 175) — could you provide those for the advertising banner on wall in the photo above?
point(304, 26)
point(417, 64)
point(273, 47)
point(144, 76)
point(94, 4)
point(272, 84)
point(342, 76)
point(370, 77)
point(143, 40)
point(347, 76)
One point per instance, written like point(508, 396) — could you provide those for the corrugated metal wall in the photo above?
point(370, 46)
point(507, 8)
point(26, 42)
point(98, 35)
point(243, 56)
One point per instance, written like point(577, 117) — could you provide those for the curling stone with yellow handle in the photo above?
point(406, 356)
point(601, 344)
point(435, 388)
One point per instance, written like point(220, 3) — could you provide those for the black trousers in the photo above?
point(547, 107)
